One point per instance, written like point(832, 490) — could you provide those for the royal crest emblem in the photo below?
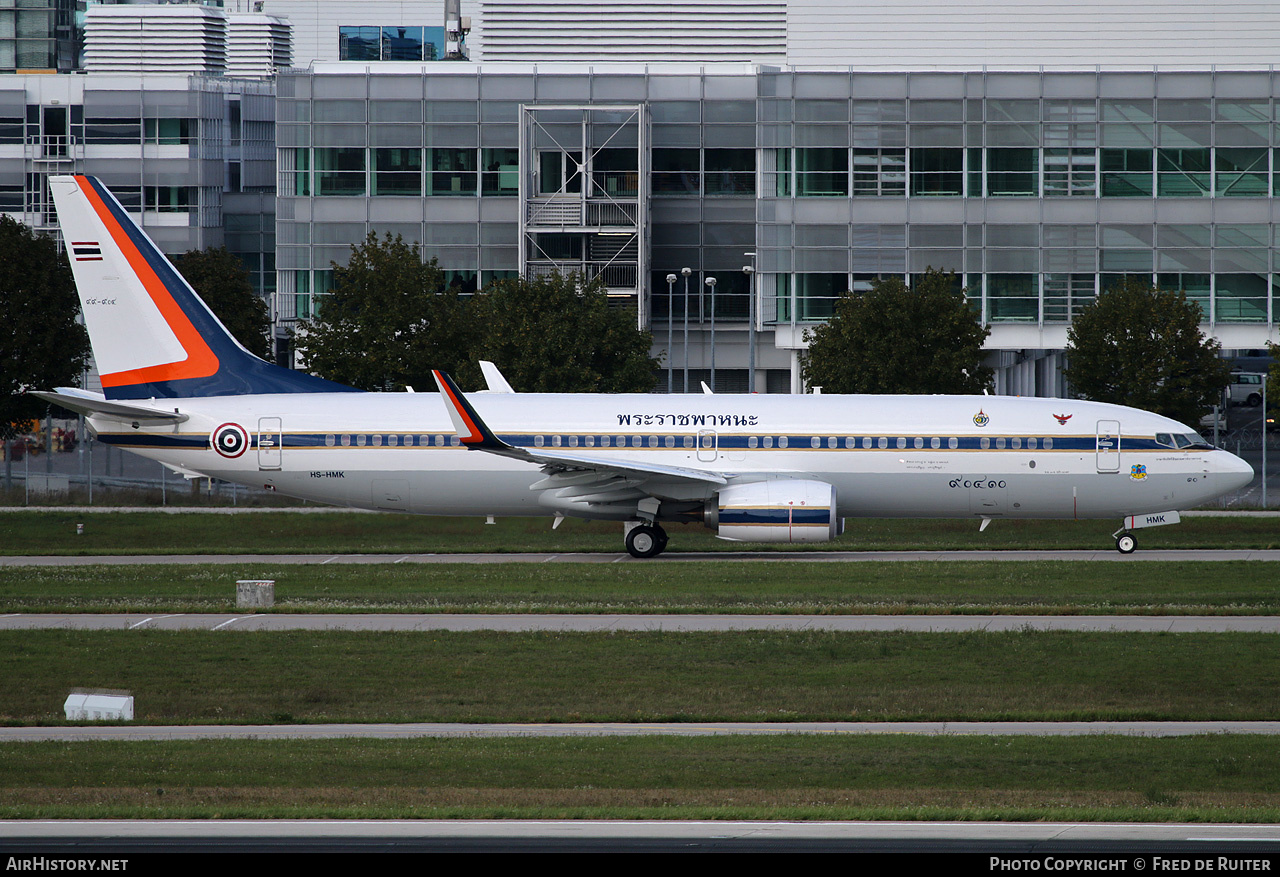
point(981, 419)
point(1063, 418)
point(1138, 472)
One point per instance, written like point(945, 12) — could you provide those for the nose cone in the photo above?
point(1234, 472)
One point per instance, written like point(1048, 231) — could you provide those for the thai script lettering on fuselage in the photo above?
point(688, 420)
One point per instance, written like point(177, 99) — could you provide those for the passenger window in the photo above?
point(953, 443)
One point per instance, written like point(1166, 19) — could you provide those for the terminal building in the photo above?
point(1037, 187)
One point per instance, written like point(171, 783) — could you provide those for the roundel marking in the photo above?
point(230, 440)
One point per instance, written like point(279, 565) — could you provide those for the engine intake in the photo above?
point(779, 510)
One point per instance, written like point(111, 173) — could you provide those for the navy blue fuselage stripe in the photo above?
point(798, 443)
point(239, 373)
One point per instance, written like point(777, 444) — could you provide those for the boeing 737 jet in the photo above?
point(179, 389)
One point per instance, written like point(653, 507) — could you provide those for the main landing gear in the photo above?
point(646, 540)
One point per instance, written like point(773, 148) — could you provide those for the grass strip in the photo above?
point(54, 532)
point(1221, 778)
point(338, 676)
point(793, 587)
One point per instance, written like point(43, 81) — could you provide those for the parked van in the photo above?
point(1246, 388)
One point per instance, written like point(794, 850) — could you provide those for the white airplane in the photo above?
point(179, 389)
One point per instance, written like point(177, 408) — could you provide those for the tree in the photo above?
point(42, 345)
point(221, 279)
point(1141, 346)
point(895, 339)
point(556, 335)
point(389, 321)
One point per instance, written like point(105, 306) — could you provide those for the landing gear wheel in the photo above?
point(1126, 543)
point(646, 540)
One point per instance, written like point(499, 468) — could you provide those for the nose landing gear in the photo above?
point(1126, 543)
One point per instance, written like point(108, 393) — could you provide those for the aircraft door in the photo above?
point(270, 442)
point(707, 446)
point(1108, 446)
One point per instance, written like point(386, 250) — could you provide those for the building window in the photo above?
point(453, 171)
point(879, 172)
point(822, 172)
point(1183, 173)
point(389, 43)
point(817, 294)
point(171, 199)
point(559, 172)
point(1013, 298)
point(1240, 173)
point(359, 43)
point(1240, 298)
point(1012, 172)
point(1070, 172)
point(677, 172)
point(501, 172)
point(730, 172)
point(404, 44)
point(937, 171)
point(615, 173)
point(169, 132)
point(397, 172)
point(339, 171)
point(1126, 173)
point(1065, 295)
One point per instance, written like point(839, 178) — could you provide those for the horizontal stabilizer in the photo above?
point(85, 402)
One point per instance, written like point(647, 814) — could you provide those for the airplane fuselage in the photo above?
point(885, 456)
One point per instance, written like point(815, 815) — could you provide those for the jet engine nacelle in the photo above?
point(779, 510)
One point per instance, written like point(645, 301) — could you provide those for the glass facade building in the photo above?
point(1038, 189)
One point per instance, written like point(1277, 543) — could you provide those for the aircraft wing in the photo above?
point(86, 402)
point(474, 433)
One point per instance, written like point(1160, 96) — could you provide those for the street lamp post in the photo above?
point(671, 327)
point(685, 272)
point(750, 271)
point(711, 284)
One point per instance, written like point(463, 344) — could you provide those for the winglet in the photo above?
point(472, 431)
point(497, 383)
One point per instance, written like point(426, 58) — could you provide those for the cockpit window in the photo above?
point(1181, 441)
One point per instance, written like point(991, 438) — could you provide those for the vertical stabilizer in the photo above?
point(152, 336)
